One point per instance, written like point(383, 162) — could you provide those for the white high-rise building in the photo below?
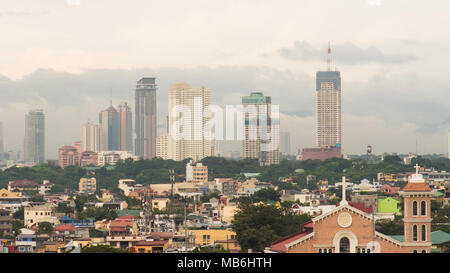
point(328, 87)
point(2, 148)
point(162, 143)
point(187, 122)
point(91, 137)
point(448, 144)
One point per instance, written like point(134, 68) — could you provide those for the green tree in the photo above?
point(257, 226)
point(45, 228)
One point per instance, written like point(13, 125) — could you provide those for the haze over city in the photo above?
point(66, 60)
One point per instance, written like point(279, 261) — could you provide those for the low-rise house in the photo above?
point(34, 215)
point(124, 241)
point(88, 223)
point(123, 226)
point(26, 241)
point(12, 201)
point(389, 190)
point(153, 246)
point(160, 203)
point(388, 205)
point(127, 186)
point(6, 222)
point(23, 185)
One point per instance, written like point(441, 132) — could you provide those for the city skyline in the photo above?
point(395, 80)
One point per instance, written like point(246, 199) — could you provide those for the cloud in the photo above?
point(346, 53)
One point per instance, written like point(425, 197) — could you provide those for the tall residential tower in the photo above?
point(125, 127)
point(109, 129)
point(261, 130)
point(328, 107)
point(91, 137)
point(145, 118)
point(186, 109)
point(34, 144)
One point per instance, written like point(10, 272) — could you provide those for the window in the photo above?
point(424, 233)
point(344, 245)
point(415, 251)
point(415, 233)
point(415, 208)
point(320, 250)
point(330, 250)
point(424, 251)
point(324, 250)
point(423, 208)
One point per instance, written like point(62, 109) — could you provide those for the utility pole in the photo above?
point(185, 229)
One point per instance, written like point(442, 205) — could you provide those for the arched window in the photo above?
point(330, 250)
point(415, 233)
point(424, 233)
point(423, 208)
point(320, 250)
point(415, 251)
point(344, 245)
point(415, 208)
point(424, 251)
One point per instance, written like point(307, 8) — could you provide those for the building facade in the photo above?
point(187, 122)
point(125, 127)
point(70, 155)
point(109, 129)
point(145, 118)
point(91, 137)
point(162, 146)
point(87, 185)
point(347, 229)
point(328, 107)
point(34, 146)
point(261, 130)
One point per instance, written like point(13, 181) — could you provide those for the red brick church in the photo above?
point(347, 229)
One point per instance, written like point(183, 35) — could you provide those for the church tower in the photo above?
point(417, 214)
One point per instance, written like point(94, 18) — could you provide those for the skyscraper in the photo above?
point(145, 118)
point(448, 144)
point(109, 129)
point(91, 137)
point(328, 87)
point(188, 140)
point(125, 127)
point(2, 147)
point(34, 144)
point(285, 143)
point(261, 130)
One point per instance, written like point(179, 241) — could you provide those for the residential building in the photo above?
point(211, 236)
point(26, 241)
point(322, 153)
point(125, 127)
point(89, 158)
point(196, 173)
point(91, 137)
point(12, 201)
point(127, 186)
point(6, 222)
point(162, 147)
point(111, 157)
point(328, 107)
point(187, 136)
point(87, 185)
point(70, 155)
point(285, 143)
point(153, 246)
point(34, 146)
point(388, 205)
point(145, 118)
point(261, 129)
point(2, 144)
point(38, 214)
point(109, 129)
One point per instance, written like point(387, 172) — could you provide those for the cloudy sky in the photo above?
point(65, 56)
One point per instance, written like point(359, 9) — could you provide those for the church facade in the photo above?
point(347, 229)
